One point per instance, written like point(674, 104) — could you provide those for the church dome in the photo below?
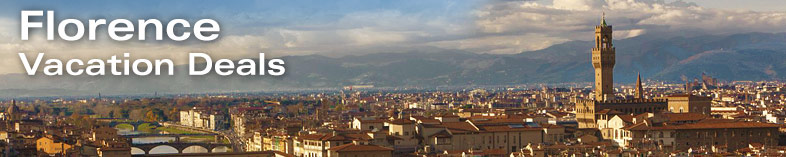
point(13, 108)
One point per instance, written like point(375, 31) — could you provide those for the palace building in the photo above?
point(603, 60)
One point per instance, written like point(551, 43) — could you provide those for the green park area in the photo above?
point(125, 126)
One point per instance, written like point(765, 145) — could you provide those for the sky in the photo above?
point(353, 27)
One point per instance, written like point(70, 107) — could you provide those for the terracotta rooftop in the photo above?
point(402, 121)
point(609, 112)
point(454, 127)
point(430, 121)
point(496, 121)
point(443, 133)
point(700, 125)
point(506, 128)
point(684, 116)
point(338, 137)
point(351, 147)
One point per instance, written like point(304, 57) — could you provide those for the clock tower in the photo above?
point(603, 61)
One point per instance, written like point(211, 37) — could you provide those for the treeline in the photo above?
point(168, 109)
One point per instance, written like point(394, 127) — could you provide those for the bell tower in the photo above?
point(603, 60)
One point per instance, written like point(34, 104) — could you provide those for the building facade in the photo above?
point(689, 104)
point(203, 119)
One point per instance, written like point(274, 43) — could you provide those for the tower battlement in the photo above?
point(599, 49)
point(603, 28)
point(632, 101)
point(622, 101)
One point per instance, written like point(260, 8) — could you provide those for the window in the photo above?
point(443, 141)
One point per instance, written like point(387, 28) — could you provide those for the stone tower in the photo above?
point(639, 89)
point(13, 112)
point(603, 61)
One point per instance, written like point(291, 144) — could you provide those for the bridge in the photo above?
point(176, 136)
point(179, 146)
point(113, 122)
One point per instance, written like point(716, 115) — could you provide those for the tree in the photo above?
point(155, 114)
point(151, 116)
point(174, 114)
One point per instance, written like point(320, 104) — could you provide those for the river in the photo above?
point(166, 149)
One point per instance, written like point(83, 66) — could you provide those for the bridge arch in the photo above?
point(220, 149)
point(163, 148)
point(134, 124)
point(195, 149)
point(179, 147)
point(135, 151)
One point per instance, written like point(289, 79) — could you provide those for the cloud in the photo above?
point(496, 26)
point(345, 35)
point(577, 4)
point(566, 20)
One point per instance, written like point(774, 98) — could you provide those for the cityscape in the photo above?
point(403, 78)
point(701, 117)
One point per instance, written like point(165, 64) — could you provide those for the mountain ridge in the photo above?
point(746, 56)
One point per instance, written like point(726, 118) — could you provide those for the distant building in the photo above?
point(255, 142)
point(317, 145)
point(403, 133)
point(706, 82)
point(685, 103)
point(587, 110)
point(114, 149)
point(103, 133)
point(243, 118)
point(356, 149)
point(367, 123)
point(12, 112)
point(53, 145)
point(203, 119)
point(29, 126)
point(352, 87)
point(682, 137)
point(278, 140)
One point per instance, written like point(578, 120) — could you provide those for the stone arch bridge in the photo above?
point(179, 146)
point(134, 124)
point(216, 137)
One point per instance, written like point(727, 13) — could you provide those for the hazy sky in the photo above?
point(341, 27)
